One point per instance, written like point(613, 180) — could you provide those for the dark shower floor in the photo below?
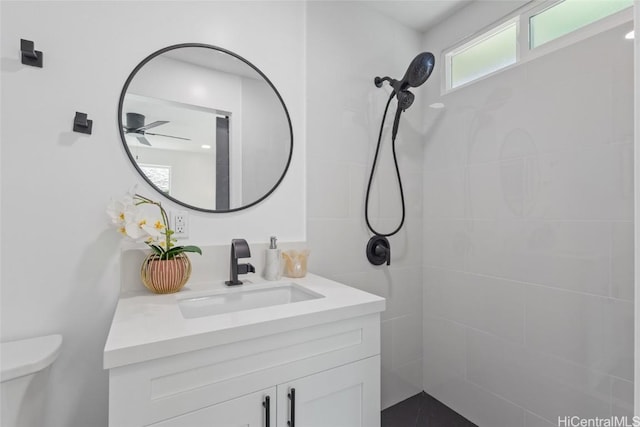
point(422, 410)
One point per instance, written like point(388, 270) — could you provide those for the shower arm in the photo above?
point(379, 80)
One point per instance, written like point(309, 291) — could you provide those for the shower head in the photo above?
point(419, 70)
point(417, 73)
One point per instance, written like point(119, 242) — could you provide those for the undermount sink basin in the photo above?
point(247, 298)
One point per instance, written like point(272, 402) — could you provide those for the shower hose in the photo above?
point(373, 169)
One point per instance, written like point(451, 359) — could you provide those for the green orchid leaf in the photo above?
point(180, 249)
point(156, 249)
point(192, 249)
point(171, 253)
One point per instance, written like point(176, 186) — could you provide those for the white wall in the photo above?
point(528, 218)
point(59, 258)
point(348, 45)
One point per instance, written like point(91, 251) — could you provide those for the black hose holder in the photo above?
point(379, 250)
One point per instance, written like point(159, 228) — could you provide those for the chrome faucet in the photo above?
point(239, 249)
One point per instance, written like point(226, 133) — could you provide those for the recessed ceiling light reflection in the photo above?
point(630, 35)
point(205, 146)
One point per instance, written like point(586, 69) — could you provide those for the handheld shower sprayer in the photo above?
point(417, 73)
point(405, 99)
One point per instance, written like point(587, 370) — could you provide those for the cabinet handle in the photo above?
point(267, 411)
point(292, 398)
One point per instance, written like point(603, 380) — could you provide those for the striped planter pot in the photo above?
point(165, 276)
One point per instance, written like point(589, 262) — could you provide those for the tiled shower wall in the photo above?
point(528, 239)
point(347, 46)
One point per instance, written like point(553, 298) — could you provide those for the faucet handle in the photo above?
point(379, 250)
point(246, 268)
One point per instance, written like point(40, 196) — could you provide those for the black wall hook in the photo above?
point(81, 124)
point(30, 56)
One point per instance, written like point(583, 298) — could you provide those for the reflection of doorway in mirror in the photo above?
point(159, 175)
point(222, 164)
point(185, 140)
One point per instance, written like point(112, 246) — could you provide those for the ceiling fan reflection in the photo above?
point(135, 127)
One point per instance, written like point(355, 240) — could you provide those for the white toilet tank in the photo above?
point(23, 368)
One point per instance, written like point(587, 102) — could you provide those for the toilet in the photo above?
point(23, 376)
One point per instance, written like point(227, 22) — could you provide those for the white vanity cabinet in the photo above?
point(344, 396)
point(347, 396)
point(323, 375)
point(251, 410)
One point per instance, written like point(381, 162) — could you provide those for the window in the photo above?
point(483, 55)
point(569, 15)
point(159, 175)
point(516, 39)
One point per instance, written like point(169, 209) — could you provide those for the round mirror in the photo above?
point(205, 128)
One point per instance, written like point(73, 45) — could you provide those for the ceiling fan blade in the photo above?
point(144, 141)
point(152, 125)
point(168, 136)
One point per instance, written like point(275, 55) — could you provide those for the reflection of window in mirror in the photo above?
point(159, 175)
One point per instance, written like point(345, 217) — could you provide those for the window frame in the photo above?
point(603, 24)
point(474, 41)
point(524, 51)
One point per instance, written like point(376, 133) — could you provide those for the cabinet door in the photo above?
point(245, 411)
point(348, 396)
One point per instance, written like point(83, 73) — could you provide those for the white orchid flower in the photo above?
point(115, 210)
point(122, 229)
point(136, 225)
point(120, 210)
point(132, 217)
point(154, 228)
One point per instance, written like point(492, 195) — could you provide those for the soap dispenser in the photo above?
point(272, 265)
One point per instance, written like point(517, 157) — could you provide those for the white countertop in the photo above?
point(146, 326)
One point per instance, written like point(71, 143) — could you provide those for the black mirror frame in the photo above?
point(135, 164)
